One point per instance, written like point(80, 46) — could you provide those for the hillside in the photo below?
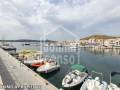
point(98, 37)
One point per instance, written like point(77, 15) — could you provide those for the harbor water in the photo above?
point(100, 60)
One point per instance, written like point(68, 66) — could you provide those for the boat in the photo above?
point(75, 77)
point(29, 62)
point(48, 67)
point(7, 47)
point(38, 64)
point(94, 84)
point(111, 85)
point(29, 56)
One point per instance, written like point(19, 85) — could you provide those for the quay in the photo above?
point(16, 74)
point(1, 84)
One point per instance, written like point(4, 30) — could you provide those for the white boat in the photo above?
point(113, 87)
point(74, 78)
point(94, 84)
point(29, 62)
point(48, 67)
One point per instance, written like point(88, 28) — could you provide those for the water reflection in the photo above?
point(103, 51)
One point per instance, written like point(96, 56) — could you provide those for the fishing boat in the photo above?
point(111, 85)
point(75, 77)
point(48, 67)
point(94, 84)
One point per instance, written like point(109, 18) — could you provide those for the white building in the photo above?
point(112, 42)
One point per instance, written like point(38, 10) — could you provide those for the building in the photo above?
point(101, 41)
point(112, 42)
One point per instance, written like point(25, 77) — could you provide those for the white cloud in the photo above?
point(36, 19)
point(32, 17)
point(92, 12)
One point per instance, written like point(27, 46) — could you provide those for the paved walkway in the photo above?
point(1, 84)
point(5, 76)
point(15, 73)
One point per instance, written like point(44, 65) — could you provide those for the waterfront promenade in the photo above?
point(15, 74)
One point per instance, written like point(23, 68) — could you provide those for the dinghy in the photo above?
point(75, 77)
point(94, 84)
point(48, 67)
point(113, 86)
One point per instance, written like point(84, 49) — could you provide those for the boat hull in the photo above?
point(47, 70)
point(29, 62)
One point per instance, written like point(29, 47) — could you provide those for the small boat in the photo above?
point(27, 44)
point(36, 65)
point(94, 84)
point(48, 67)
point(29, 62)
point(111, 85)
point(75, 77)
point(28, 56)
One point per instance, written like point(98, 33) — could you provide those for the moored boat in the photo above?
point(75, 77)
point(29, 62)
point(111, 85)
point(48, 67)
point(36, 65)
point(28, 56)
point(94, 84)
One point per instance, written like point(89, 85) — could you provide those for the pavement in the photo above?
point(1, 84)
point(5, 76)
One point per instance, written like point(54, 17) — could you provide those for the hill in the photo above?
point(98, 37)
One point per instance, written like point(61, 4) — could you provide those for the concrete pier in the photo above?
point(19, 77)
point(1, 84)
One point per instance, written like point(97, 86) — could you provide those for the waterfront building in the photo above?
point(113, 43)
point(117, 42)
point(109, 43)
point(100, 41)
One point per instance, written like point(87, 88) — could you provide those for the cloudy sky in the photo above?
point(58, 19)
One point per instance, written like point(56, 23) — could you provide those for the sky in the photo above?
point(58, 19)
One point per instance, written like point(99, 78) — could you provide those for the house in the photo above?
point(112, 42)
point(109, 42)
point(117, 42)
point(98, 40)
